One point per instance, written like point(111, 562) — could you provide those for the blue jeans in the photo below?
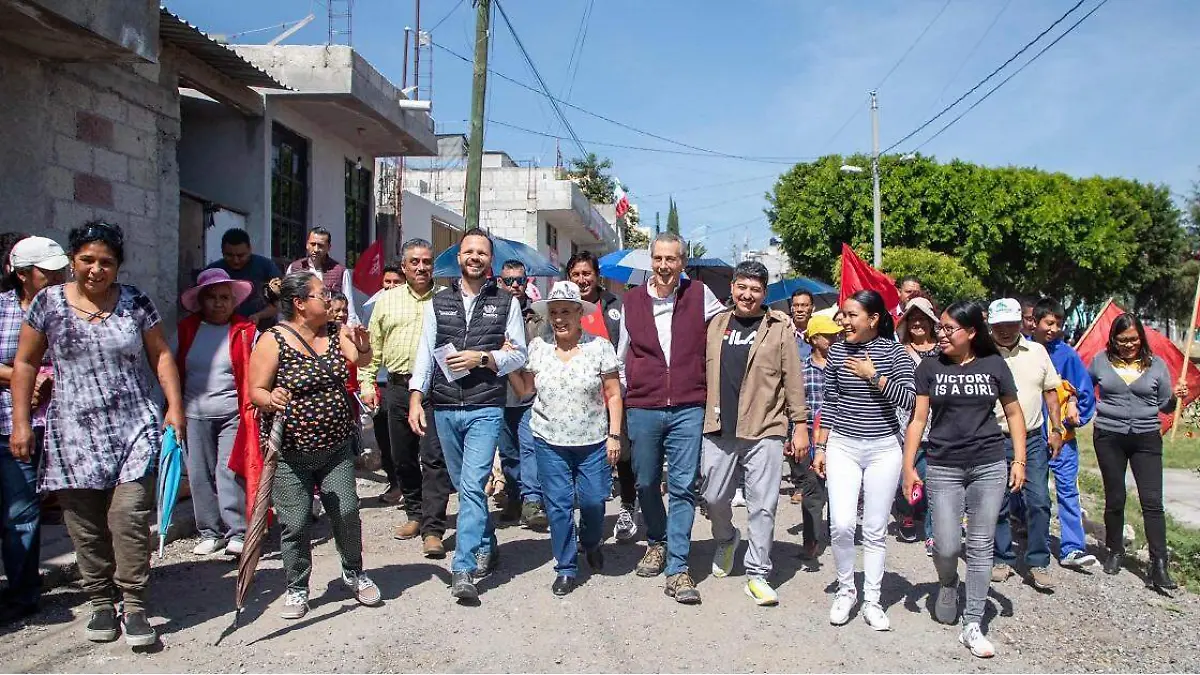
point(570, 474)
point(674, 434)
point(518, 457)
point(468, 438)
point(1066, 488)
point(20, 521)
point(1036, 496)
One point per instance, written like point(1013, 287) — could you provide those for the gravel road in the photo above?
point(615, 621)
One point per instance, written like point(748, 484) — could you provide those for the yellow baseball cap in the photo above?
point(820, 324)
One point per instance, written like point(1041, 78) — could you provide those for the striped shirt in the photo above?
point(395, 328)
point(853, 406)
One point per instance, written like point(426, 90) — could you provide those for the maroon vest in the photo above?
point(650, 381)
point(331, 273)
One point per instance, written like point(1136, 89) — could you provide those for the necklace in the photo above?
point(90, 316)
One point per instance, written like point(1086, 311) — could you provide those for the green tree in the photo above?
point(673, 218)
point(696, 250)
point(942, 277)
point(591, 174)
point(1017, 230)
point(634, 237)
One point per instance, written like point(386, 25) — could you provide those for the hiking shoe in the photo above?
point(683, 589)
point(875, 617)
point(1078, 560)
point(761, 592)
point(1039, 578)
point(739, 498)
point(722, 563)
point(972, 638)
point(929, 547)
point(408, 530)
point(627, 527)
point(485, 564)
point(365, 591)
point(946, 609)
point(208, 546)
point(1001, 573)
point(654, 562)
point(295, 605)
point(103, 626)
point(138, 631)
point(907, 531)
point(843, 604)
point(463, 587)
point(234, 547)
point(432, 547)
point(533, 516)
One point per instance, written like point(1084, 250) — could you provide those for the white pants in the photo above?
point(872, 466)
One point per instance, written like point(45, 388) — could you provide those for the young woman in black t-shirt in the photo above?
point(966, 457)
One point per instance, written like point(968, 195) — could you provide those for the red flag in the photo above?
point(1095, 340)
point(859, 276)
point(368, 271)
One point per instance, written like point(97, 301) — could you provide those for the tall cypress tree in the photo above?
point(673, 218)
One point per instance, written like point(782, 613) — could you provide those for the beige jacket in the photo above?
point(773, 386)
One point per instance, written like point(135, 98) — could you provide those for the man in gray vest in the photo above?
point(461, 364)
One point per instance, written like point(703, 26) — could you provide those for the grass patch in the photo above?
point(1182, 453)
point(1182, 541)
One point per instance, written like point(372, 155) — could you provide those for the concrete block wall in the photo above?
point(95, 140)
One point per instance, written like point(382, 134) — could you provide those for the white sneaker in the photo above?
point(208, 547)
point(843, 604)
point(723, 558)
point(365, 591)
point(1078, 560)
point(739, 498)
point(972, 638)
point(875, 617)
point(761, 592)
point(295, 605)
point(627, 527)
point(233, 547)
point(318, 509)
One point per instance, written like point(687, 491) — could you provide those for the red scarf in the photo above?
point(246, 458)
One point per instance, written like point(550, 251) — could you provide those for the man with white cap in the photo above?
point(1037, 387)
point(34, 263)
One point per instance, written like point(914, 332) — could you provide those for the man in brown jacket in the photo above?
point(755, 388)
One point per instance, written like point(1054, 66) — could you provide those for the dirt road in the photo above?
point(614, 621)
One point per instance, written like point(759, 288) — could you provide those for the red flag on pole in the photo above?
point(1095, 340)
point(858, 276)
point(368, 271)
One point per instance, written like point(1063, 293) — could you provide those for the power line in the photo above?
point(1014, 74)
point(577, 50)
point(990, 75)
point(965, 60)
point(710, 185)
point(538, 76)
point(447, 16)
point(702, 150)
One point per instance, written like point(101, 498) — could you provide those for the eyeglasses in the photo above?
point(514, 281)
point(1128, 342)
point(946, 329)
point(325, 295)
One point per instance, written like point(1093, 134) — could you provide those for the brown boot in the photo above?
point(433, 547)
point(408, 530)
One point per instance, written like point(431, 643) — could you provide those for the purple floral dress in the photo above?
point(102, 428)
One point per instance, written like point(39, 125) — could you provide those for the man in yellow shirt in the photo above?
point(395, 327)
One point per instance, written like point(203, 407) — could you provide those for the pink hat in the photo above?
point(211, 277)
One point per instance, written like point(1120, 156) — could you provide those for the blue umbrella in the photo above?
point(783, 289)
point(536, 264)
point(628, 266)
point(170, 470)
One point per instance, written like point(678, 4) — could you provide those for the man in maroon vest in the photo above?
point(661, 350)
point(333, 274)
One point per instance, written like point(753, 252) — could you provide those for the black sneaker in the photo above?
point(533, 516)
point(103, 626)
point(463, 587)
point(138, 632)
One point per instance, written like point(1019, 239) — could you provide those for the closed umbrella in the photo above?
point(536, 264)
point(257, 528)
point(170, 472)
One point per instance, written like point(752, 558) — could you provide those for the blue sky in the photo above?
point(778, 78)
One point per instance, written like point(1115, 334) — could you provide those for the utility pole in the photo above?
point(878, 250)
point(478, 99)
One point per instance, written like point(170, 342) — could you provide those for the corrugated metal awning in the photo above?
point(196, 42)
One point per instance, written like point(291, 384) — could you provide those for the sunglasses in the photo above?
point(514, 281)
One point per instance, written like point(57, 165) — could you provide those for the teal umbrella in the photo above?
point(170, 471)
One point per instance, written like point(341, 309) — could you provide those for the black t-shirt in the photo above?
point(735, 352)
point(962, 401)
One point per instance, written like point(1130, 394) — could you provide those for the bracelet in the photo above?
point(1017, 461)
point(819, 447)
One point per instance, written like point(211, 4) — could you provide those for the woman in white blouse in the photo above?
point(576, 424)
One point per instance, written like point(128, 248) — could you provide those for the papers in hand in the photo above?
point(440, 355)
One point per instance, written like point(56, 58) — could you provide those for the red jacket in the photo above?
point(246, 458)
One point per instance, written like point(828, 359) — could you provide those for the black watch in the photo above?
point(483, 360)
point(615, 437)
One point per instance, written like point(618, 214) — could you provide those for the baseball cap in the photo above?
point(1004, 310)
point(39, 252)
point(820, 324)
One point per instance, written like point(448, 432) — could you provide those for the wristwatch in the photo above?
point(615, 437)
point(1060, 430)
point(483, 360)
point(874, 379)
